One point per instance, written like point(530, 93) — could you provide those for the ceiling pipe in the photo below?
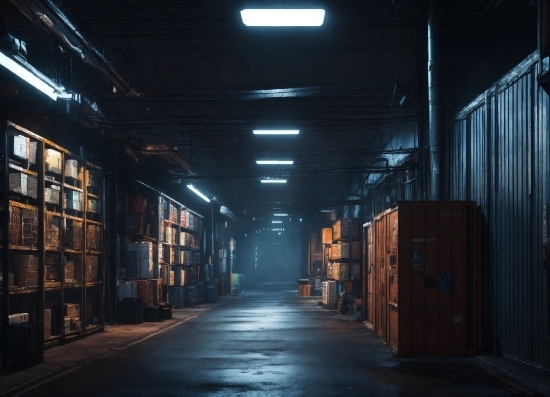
point(434, 97)
point(46, 15)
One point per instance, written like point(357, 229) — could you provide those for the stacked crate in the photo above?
point(343, 254)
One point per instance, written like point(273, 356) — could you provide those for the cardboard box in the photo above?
point(71, 168)
point(18, 182)
point(72, 200)
point(53, 161)
point(20, 146)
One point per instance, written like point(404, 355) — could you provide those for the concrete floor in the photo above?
point(269, 343)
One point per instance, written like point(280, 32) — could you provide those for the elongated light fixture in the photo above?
point(283, 17)
point(276, 132)
point(276, 221)
point(280, 214)
point(273, 180)
point(30, 75)
point(274, 162)
point(198, 193)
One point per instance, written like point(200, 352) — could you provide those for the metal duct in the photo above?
point(434, 97)
point(46, 15)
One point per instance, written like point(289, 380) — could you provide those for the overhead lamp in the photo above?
point(276, 221)
point(274, 162)
point(20, 67)
point(198, 193)
point(276, 132)
point(280, 214)
point(283, 17)
point(327, 210)
point(273, 181)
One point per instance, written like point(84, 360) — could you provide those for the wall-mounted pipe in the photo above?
point(434, 97)
point(46, 15)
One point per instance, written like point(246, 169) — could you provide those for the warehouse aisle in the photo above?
point(270, 343)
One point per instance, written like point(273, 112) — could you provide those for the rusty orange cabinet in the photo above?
point(424, 272)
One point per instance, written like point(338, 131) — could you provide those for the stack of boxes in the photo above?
point(343, 256)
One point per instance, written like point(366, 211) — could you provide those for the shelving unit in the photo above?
point(53, 258)
point(162, 245)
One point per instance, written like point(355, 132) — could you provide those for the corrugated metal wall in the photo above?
point(499, 157)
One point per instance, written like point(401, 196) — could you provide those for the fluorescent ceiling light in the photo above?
point(276, 221)
point(274, 162)
point(198, 193)
point(328, 210)
point(276, 132)
point(280, 214)
point(28, 76)
point(273, 180)
point(283, 17)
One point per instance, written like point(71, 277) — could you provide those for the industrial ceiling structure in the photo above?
point(182, 85)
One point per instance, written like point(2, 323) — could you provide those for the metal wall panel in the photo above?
point(499, 157)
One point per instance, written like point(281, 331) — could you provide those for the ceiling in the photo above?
point(205, 81)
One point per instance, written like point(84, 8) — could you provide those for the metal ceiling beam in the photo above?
point(47, 16)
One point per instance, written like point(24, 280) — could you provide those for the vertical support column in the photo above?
point(434, 97)
point(5, 249)
point(110, 237)
point(41, 297)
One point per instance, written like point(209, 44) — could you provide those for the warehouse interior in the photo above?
point(387, 101)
